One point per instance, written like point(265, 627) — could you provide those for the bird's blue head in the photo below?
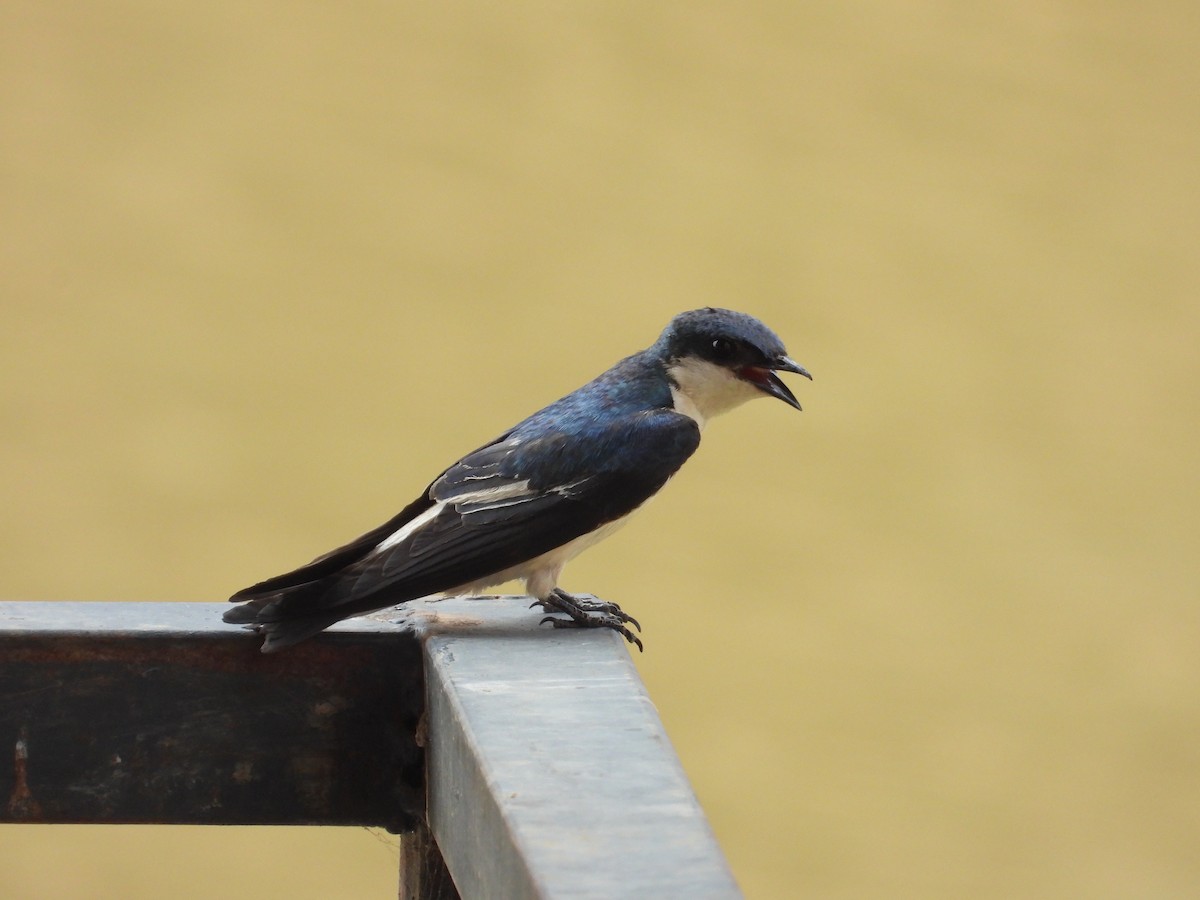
point(717, 359)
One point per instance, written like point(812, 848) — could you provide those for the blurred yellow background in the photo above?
point(267, 267)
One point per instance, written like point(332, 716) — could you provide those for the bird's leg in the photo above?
point(588, 611)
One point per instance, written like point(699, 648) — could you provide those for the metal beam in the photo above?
point(159, 712)
point(548, 775)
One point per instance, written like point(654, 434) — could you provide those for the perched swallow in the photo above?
point(525, 503)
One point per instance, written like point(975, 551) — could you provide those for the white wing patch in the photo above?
point(410, 528)
point(505, 494)
point(501, 496)
point(509, 493)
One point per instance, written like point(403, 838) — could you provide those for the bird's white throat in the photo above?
point(701, 389)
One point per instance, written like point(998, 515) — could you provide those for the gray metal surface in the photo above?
point(549, 771)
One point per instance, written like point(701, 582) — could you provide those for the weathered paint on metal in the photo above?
point(159, 712)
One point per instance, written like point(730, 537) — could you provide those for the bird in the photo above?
point(524, 504)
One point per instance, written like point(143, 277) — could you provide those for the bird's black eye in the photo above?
point(722, 348)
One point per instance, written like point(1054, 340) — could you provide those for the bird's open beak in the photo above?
point(768, 382)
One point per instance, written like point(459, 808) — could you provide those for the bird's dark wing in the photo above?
point(503, 505)
point(338, 559)
point(335, 560)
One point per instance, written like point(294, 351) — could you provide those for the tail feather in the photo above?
point(277, 635)
point(279, 628)
point(289, 616)
point(241, 615)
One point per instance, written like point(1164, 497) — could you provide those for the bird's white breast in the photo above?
point(541, 573)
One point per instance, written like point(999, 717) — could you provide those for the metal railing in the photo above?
point(516, 761)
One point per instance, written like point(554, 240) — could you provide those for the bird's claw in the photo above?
point(588, 611)
point(597, 622)
point(588, 603)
